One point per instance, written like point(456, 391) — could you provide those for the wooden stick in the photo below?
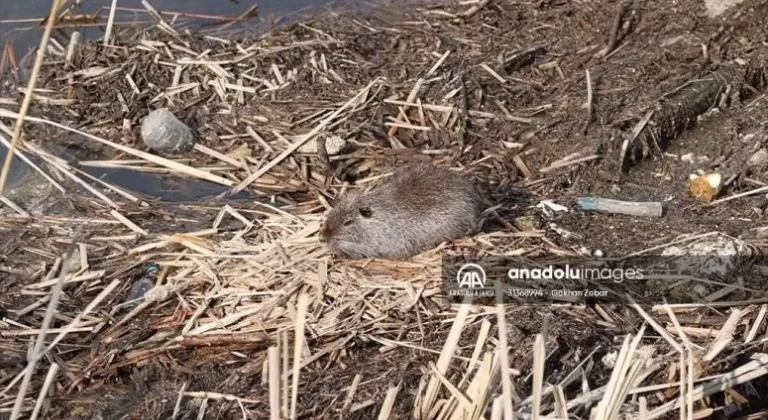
point(614, 36)
point(110, 22)
point(389, 402)
point(506, 381)
point(177, 407)
point(744, 194)
point(298, 345)
point(28, 98)
point(44, 390)
point(273, 355)
point(539, 355)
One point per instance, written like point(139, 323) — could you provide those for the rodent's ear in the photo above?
point(347, 198)
point(366, 212)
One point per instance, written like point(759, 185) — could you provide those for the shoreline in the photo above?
point(495, 90)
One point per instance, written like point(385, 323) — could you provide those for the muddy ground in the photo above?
point(662, 45)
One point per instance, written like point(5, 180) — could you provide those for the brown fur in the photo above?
point(420, 207)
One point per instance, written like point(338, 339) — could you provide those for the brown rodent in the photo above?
point(421, 206)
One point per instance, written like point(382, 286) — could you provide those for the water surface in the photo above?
point(14, 14)
point(19, 23)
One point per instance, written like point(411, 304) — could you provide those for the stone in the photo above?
point(716, 255)
point(527, 223)
point(716, 8)
point(162, 132)
point(758, 159)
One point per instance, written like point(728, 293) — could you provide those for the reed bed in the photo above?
point(250, 316)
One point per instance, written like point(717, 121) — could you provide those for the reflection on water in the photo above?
point(17, 171)
point(152, 186)
point(162, 187)
point(17, 16)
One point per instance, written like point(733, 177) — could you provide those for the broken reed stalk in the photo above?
point(446, 355)
point(52, 371)
point(589, 104)
point(506, 381)
point(47, 319)
point(614, 36)
point(539, 356)
point(273, 356)
point(110, 22)
point(64, 332)
point(177, 407)
point(29, 94)
point(301, 319)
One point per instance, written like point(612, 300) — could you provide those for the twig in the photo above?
point(389, 402)
point(588, 104)
point(274, 382)
point(614, 39)
point(351, 392)
point(66, 330)
point(298, 343)
point(110, 22)
point(74, 40)
point(177, 407)
point(744, 194)
point(474, 9)
point(539, 354)
point(461, 130)
point(44, 390)
point(561, 164)
point(631, 208)
point(446, 355)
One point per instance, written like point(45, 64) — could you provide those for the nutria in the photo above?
point(420, 207)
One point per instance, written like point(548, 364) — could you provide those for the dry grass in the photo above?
point(249, 289)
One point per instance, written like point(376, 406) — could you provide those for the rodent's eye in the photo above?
point(366, 212)
point(347, 222)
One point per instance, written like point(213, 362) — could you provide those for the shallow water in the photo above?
point(17, 16)
point(19, 22)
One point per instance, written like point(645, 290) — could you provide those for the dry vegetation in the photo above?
point(250, 316)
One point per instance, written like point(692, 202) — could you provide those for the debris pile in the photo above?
point(249, 316)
